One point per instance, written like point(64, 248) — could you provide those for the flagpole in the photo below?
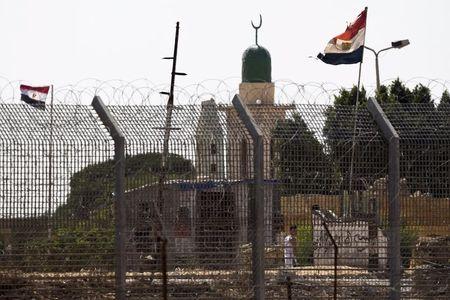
point(350, 188)
point(359, 83)
point(50, 163)
point(354, 125)
point(362, 58)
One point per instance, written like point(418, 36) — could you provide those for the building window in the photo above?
point(213, 168)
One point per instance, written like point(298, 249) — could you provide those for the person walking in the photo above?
point(290, 246)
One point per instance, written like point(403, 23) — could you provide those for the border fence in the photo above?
point(249, 201)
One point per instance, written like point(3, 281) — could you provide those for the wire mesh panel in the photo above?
point(56, 237)
point(187, 196)
point(189, 193)
point(327, 166)
point(425, 198)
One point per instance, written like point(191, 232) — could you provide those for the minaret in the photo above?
point(257, 74)
point(209, 139)
point(257, 91)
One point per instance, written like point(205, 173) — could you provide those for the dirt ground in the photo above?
point(305, 282)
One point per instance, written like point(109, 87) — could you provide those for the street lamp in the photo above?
point(397, 45)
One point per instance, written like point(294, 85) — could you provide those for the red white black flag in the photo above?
point(35, 96)
point(348, 47)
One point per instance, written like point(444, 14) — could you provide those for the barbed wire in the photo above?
point(144, 92)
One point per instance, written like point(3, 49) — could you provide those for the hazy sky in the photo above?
point(62, 42)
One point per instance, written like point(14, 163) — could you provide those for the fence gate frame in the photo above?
point(119, 191)
point(392, 137)
point(257, 205)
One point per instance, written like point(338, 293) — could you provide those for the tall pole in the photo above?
point(359, 83)
point(117, 135)
point(377, 70)
point(394, 253)
point(360, 64)
point(164, 161)
point(397, 45)
point(350, 183)
point(50, 163)
point(169, 108)
point(257, 204)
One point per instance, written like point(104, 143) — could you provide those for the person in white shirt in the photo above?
point(290, 245)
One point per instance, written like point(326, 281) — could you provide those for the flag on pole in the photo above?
point(35, 96)
point(348, 47)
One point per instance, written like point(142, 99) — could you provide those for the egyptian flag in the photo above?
point(348, 47)
point(34, 95)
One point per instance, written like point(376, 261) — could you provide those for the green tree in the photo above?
point(424, 128)
point(91, 188)
point(352, 151)
point(346, 97)
point(382, 94)
point(421, 94)
point(399, 93)
point(441, 175)
point(300, 161)
point(445, 99)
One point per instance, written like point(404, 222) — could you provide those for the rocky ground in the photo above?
point(306, 282)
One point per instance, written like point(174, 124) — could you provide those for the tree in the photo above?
point(91, 188)
point(424, 157)
point(441, 176)
point(399, 93)
point(300, 161)
point(346, 97)
point(382, 94)
point(351, 149)
point(421, 94)
point(445, 99)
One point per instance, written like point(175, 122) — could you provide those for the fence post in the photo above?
point(119, 204)
point(394, 256)
point(258, 203)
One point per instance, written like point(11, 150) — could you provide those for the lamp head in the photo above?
point(400, 44)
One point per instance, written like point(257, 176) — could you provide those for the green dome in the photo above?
point(256, 65)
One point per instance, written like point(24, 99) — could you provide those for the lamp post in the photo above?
point(397, 45)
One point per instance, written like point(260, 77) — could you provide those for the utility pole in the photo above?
point(164, 162)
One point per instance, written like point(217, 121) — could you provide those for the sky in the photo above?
point(63, 42)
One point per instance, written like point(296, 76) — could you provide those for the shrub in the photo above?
point(305, 248)
point(71, 249)
point(408, 240)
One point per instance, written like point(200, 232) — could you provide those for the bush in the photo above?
point(71, 249)
point(305, 248)
point(408, 240)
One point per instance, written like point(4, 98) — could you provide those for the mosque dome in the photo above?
point(256, 65)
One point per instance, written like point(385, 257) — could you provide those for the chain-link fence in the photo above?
point(225, 201)
point(56, 226)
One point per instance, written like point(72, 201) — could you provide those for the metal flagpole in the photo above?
point(350, 189)
point(50, 163)
point(360, 64)
point(359, 83)
point(350, 183)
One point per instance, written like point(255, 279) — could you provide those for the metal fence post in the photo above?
point(119, 205)
point(390, 134)
point(258, 208)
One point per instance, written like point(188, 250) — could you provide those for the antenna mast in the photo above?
point(164, 161)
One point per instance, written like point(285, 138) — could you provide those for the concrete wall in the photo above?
point(354, 245)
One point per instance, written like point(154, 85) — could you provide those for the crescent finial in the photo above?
point(257, 27)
